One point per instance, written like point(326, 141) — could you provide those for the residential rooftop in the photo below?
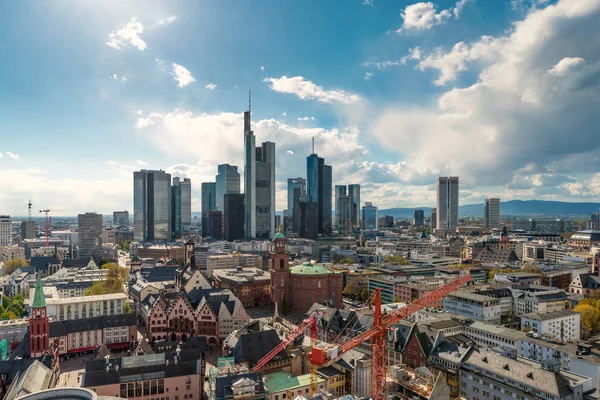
point(549, 315)
point(282, 381)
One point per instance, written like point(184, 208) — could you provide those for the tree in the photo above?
point(5, 302)
point(128, 309)
point(125, 246)
point(396, 260)
point(397, 299)
point(104, 261)
point(340, 259)
point(12, 265)
point(531, 267)
point(590, 318)
point(352, 289)
point(364, 294)
point(495, 271)
point(116, 277)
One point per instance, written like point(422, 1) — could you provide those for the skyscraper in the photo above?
point(181, 200)
point(308, 218)
point(233, 228)
point(5, 230)
point(120, 218)
point(208, 196)
point(369, 217)
point(227, 181)
point(447, 203)
point(296, 187)
point(152, 216)
point(319, 187)
point(491, 213)
point(28, 229)
point(259, 184)
point(433, 218)
point(354, 193)
point(418, 218)
point(343, 210)
point(186, 202)
point(90, 233)
point(212, 224)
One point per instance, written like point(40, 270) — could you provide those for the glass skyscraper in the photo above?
point(369, 217)
point(319, 186)
point(447, 203)
point(227, 181)
point(152, 204)
point(208, 196)
point(354, 193)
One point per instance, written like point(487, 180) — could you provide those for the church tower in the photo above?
point(504, 240)
point(38, 322)
point(279, 267)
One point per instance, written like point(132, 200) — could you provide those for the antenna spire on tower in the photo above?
point(313, 145)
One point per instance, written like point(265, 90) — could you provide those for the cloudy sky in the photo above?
point(504, 94)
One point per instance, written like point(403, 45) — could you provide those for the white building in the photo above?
point(539, 301)
point(8, 253)
point(5, 230)
point(69, 308)
point(473, 305)
point(487, 335)
point(564, 325)
point(447, 203)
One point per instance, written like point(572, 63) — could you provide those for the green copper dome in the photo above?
point(278, 235)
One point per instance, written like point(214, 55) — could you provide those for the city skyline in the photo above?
point(165, 87)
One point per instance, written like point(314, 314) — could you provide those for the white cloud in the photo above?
point(306, 118)
point(262, 68)
point(14, 156)
point(129, 35)
point(290, 152)
point(211, 86)
point(562, 68)
point(424, 15)
point(368, 76)
point(141, 162)
point(143, 122)
point(284, 114)
point(117, 77)
point(182, 75)
point(308, 90)
point(1, 155)
point(168, 20)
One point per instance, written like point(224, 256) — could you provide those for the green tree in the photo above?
point(364, 294)
point(125, 246)
point(104, 261)
point(5, 301)
point(12, 265)
point(396, 260)
point(128, 309)
point(116, 277)
point(352, 289)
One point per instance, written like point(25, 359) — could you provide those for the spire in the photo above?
point(39, 301)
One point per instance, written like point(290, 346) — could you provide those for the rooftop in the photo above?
point(282, 381)
point(497, 330)
point(549, 315)
point(309, 269)
point(472, 296)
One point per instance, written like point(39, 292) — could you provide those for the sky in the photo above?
point(504, 94)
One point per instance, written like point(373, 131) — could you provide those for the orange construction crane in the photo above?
point(48, 222)
point(376, 335)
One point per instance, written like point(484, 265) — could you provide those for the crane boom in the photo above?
point(311, 322)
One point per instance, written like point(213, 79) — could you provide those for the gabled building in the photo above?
point(47, 265)
point(588, 284)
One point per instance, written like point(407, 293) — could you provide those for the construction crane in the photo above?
point(47, 212)
point(320, 355)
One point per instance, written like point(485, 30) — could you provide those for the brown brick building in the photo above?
point(251, 285)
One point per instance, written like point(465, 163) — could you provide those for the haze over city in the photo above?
point(503, 94)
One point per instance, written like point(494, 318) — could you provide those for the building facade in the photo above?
point(354, 194)
point(152, 215)
point(491, 213)
point(233, 221)
point(564, 325)
point(227, 181)
point(418, 218)
point(343, 210)
point(447, 203)
point(208, 196)
point(120, 218)
point(249, 284)
point(369, 217)
point(90, 233)
point(5, 230)
point(181, 200)
point(319, 190)
point(212, 224)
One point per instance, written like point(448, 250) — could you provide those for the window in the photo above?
point(123, 390)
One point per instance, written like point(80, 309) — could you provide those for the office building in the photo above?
point(564, 325)
point(90, 234)
point(296, 187)
point(319, 187)
point(369, 217)
point(259, 184)
point(491, 213)
point(27, 230)
point(433, 218)
point(120, 218)
point(152, 215)
point(234, 216)
point(186, 202)
point(307, 221)
point(354, 194)
point(447, 203)
point(227, 181)
point(181, 201)
point(209, 196)
point(5, 230)
point(418, 218)
point(343, 210)
point(212, 224)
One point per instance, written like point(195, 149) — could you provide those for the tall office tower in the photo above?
point(259, 184)
point(227, 181)
point(176, 208)
point(27, 230)
point(369, 217)
point(208, 196)
point(307, 218)
point(212, 224)
point(491, 213)
point(296, 187)
point(343, 210)
point(5, 230)
point(90, 233)
point(186, 202)
point(319, 187)
point(418, 218)
point(433, 218)
point(354, 193)
point(233, 227)
point(447, 203)
point(120, 218)
point(152, 216)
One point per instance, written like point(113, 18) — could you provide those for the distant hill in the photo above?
point(512, 207)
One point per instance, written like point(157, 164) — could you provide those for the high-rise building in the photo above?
point(259, 184)
point(5, 230)
point(369, 217)
point(308, 219)
point(354, 193)
point(319, 187)
point(208, 196)
point(90, 233)
point(234, 216)
point(296, 187)
point(227, 181)
point(212, 224)
point(152, 215)
point(433, 218)
point(491, 213)
point(120, 218)
point(28, 229)
point(186, 202)
point(181, 201)
point(418, 218)
point(447, 203)
point(343, 210)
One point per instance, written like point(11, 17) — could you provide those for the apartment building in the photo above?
point(564, 325)
point(473, 305)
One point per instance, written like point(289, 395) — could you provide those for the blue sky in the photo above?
point(502, 93)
